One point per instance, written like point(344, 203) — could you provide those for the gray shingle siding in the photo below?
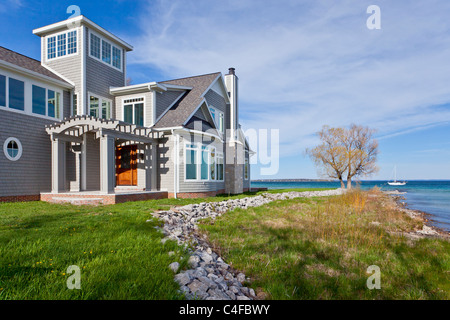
point(92, 162)
point(31, 174)
point(164, 100)
point(216, 100)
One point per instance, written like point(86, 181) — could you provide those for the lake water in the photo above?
point(432, 196)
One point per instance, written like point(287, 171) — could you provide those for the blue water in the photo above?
point(432, 197)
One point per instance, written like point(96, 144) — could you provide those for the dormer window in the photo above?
point(105, 51)
point(218, 117)
point(62, 44)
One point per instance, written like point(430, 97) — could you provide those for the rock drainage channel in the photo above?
point(209, 276)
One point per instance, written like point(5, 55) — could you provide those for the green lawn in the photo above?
point(120, 254)
point(320, 248)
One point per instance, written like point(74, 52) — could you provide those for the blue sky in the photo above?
point(301, 64)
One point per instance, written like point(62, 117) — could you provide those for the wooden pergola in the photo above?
point(110, 133)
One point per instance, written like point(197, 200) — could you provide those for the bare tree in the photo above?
point(329, 156)
point(362, 152)
point(352, 151)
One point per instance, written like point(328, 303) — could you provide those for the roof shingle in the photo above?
point(187, 105)
point(27, 63)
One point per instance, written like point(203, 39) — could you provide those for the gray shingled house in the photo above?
point(74, 131)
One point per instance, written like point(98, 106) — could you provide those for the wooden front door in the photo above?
point(126, 166)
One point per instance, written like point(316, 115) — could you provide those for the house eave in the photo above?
point(34, 74)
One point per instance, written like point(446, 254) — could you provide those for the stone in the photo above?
point(242, 298)
point(240, 277)
point(174, 266)
point(183, 278)
point(198, 288)
point(193, 261)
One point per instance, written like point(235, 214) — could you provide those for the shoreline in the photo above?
point(428, 230)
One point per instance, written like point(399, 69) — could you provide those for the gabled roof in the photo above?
point(27, 63)
point(181, 111)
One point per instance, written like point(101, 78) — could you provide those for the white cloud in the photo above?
point(305, 64)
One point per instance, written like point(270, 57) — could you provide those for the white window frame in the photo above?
point(217, 115)
point(19, 146)
point(141, 100)
point(67, 45)
point(199, 148)
point(103, 39)
point(100, 102)
point(28, 96)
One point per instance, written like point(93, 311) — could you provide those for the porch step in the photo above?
point(78, 201)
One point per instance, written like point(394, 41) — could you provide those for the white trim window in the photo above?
point(133, 111)
point(99, 107)
point(104, 51)
point(219, 119)
point(203, 163)
point(62, 44)
point(46, 102)
point(30, 96)
point(12, 148)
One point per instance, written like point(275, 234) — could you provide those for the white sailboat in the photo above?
point(395, 182)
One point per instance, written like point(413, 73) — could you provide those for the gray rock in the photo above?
point(193, 261)
point(174, 266)
point(240, 277)
point(183, 278)
point(198, 288)
point(242, 298)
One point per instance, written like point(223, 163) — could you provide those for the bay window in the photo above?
point(203, 163)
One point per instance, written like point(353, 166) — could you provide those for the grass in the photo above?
point(120, 254)
point(320, 248)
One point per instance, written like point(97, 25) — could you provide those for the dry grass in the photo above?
point(321, 247)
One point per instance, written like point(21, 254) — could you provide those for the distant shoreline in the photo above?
point(331, 180)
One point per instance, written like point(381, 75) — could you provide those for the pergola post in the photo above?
point(154, 170)
point(107, 166)
point(58, 165)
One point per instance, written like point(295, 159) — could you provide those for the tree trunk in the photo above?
point(342, 183)
point(349, 183)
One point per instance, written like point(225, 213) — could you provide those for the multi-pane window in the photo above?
point(203, 163)
point(2, 91)
point(38, 100)
point(61, 45)
point(16, 94)
point(51, 48)
point(117, 57)
point(99, 107)
point(105, 51)
point(218, 117)
point(72, 42)
point(42, 101)
point(12, 149)
point(95, 46)
point(133, 111)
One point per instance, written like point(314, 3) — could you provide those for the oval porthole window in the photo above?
point(12, 149)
